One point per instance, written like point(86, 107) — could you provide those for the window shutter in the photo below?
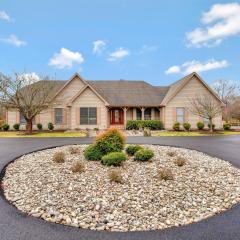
point(64, 116)
point(78, 116)
point(174, 115)
point(98, 116)
point(52, 112)
point(186, 115)
point(17, 117)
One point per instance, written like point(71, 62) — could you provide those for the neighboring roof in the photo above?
point(133, 93)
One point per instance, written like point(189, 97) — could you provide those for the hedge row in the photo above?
point(138, 124)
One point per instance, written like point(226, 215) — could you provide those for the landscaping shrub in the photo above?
point(59, 157)
point(139, 124)
point(74, 150)
point(213, 126)
point(113, 159)
point(78, 167)
point(226, 126)
point(39, 126)
point(16, 126)
point(132, 149)
point(115, 176)
point(5, 127)
point(96, 129)
point(50, 126)
point(164, 174)
point(171, 153)
point(93, 153)
point(111, 140)
point(146, 132)
point(187, 126)
point(180, 161)
point(176, 126)
point(143, 155)
point(200, 125)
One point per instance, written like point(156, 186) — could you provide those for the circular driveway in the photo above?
point(15, 225)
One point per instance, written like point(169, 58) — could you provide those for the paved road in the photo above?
point(15, 225)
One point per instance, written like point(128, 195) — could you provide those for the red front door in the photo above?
point(116, 116)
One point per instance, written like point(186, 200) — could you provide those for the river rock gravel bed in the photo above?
point(201, 188)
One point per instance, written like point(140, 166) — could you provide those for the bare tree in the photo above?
point(26, 94)
point(235, 109)
point(206, 107)
point(227, 91)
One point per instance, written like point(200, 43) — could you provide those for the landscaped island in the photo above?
point(135, 188)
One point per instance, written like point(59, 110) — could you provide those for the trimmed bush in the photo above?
point(50, 126)
point(113, 159)
point(132, 149)
point(226, 126)
point(200, 125)
point(59, 157)
point(5, 127)
point(143, 155)
point(139, 124)
point(176, 126)
point(16, 126)
point(213, 126)
point(115, 176)
point(93, 153)
point(111, 140)
point(187, 126)
point(39, 126)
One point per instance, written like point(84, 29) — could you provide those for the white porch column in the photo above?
point(125, 117)
point(152, 114)
point(134, 113)
point(143, 110)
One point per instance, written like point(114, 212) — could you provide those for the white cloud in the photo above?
point(118, 54)
point(196, 66)
point(221, 21)
point(98, 46)
point(28, 78)
point(4, 16)
point(65, 58)
point(147, 48)
point(12, 39)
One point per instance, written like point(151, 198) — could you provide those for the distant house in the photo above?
point(81, 104)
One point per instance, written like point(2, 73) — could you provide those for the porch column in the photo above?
point(152, 113)
point(142, 109)
point(125, 117)
point(134, 113)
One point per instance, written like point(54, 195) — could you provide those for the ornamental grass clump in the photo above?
point(111, 140)
point(93, 153)
point(115, 176)
point(59, 157)
point(171, 154)
point(165, 174)
point(180, 161)
point(113, 159)
point(78, 167)
point(132, 149)
point(143, 155)
point(74, 150)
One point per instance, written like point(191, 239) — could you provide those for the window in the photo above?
point(147, 114)
point(58, 115)
point(206, 121)
point(139, 114)
point(88, 116)
point(180, 115)
point(22, 119)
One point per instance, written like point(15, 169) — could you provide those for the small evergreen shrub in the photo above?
point(180, 161)
point(5, 127)
point(93, 153)
point(132, 149)
point(78, 167)
point(187, 126)
point(143, 155)
point(147, 132)
point(59, 157)
point(74, 150)
point(164, 174)
point(200, 125)
point(213, 126)
point(226, 126)
point(39, 126)
point(115, 176)
point(16, 126)
point(113, 159)
point(176, 126)
point(111, 140)
point(140, 124)
point(50, 126)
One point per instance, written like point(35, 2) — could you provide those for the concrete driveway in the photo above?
point(15, 225)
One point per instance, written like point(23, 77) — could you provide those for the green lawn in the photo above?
point(191, 134)
point(15, 134)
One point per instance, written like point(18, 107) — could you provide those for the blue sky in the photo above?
point(156, 41)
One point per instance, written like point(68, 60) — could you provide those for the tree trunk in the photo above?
point(29, 126)
point(211, 125)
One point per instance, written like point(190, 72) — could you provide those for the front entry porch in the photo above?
point(118, 116)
